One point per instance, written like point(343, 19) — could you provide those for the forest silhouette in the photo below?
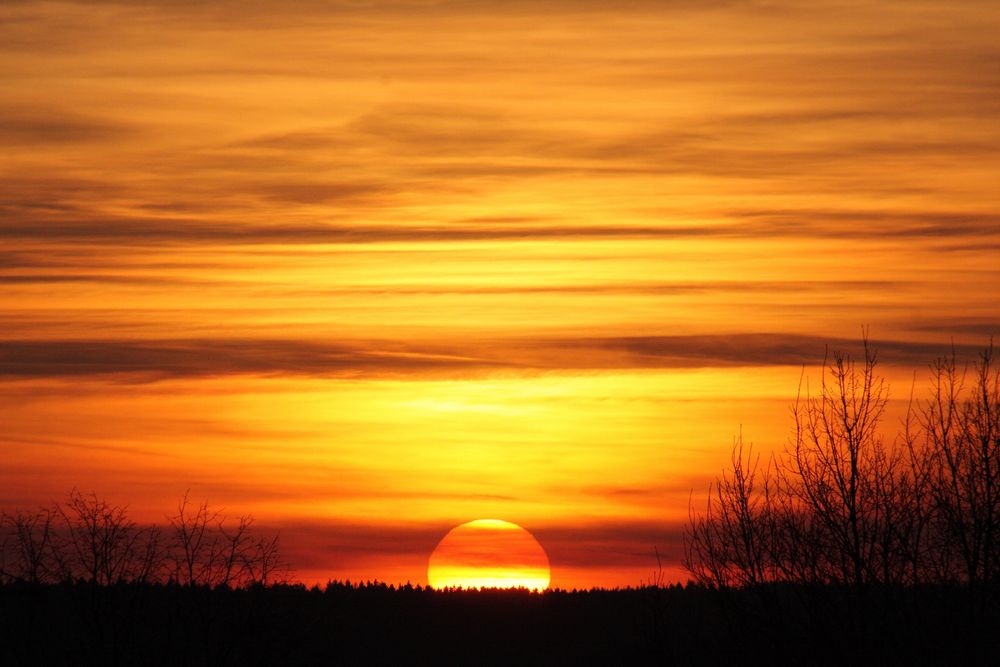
point(851, 546)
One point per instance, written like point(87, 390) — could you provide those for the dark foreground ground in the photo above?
point(373, 624)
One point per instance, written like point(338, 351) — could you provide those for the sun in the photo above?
point(488, 553)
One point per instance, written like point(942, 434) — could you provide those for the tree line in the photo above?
point(846, 504)
point(86, 538)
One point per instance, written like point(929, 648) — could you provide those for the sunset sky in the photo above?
point(370, 270)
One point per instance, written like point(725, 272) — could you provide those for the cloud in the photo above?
point(258, 9)
point(757, 349)
point(868, 224)
point(176, 231)
point(318, 192)
point(36, 442)
point(34, 126)
point(161, 359)
point(804, 224)
point(637, 287)
point(481, 142)
point(982, 328)
point(102, 278)
point(193, 358)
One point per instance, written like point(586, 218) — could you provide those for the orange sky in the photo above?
point(370, 270)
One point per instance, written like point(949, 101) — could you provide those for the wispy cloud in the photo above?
point(37, 126)
point(789, 224)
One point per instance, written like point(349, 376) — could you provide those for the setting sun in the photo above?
point(488, 553)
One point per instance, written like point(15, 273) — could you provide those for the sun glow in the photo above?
point(488, 553)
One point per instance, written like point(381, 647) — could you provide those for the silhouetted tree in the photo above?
point(87, 538)
point(26, 546)
point(264, 565)
point(961, 426)
point(728, 545)
point(844, 474)
point(97, 542)
point(844, 505)
point(194, 549)
point(206, 550)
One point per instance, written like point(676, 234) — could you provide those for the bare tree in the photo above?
point(234, 552)
point(920, 542)
point(265, 565)
point(728, 545)
point(99, 543)
point(796, 536)
point(840, 505)
point(149, 557)
point(25, 553)
point(843, 473)
point(207, 550)
point(195, 547)
point(962, 430)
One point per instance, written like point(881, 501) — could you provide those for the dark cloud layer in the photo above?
point(762, 349)
point(752, 225)
point(26, 126)
point(193, 358)
point(667, 288)
point(974, 327)
point(214, 357)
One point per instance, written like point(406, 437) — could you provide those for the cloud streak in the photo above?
point(946, 226)
point(193, 358)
